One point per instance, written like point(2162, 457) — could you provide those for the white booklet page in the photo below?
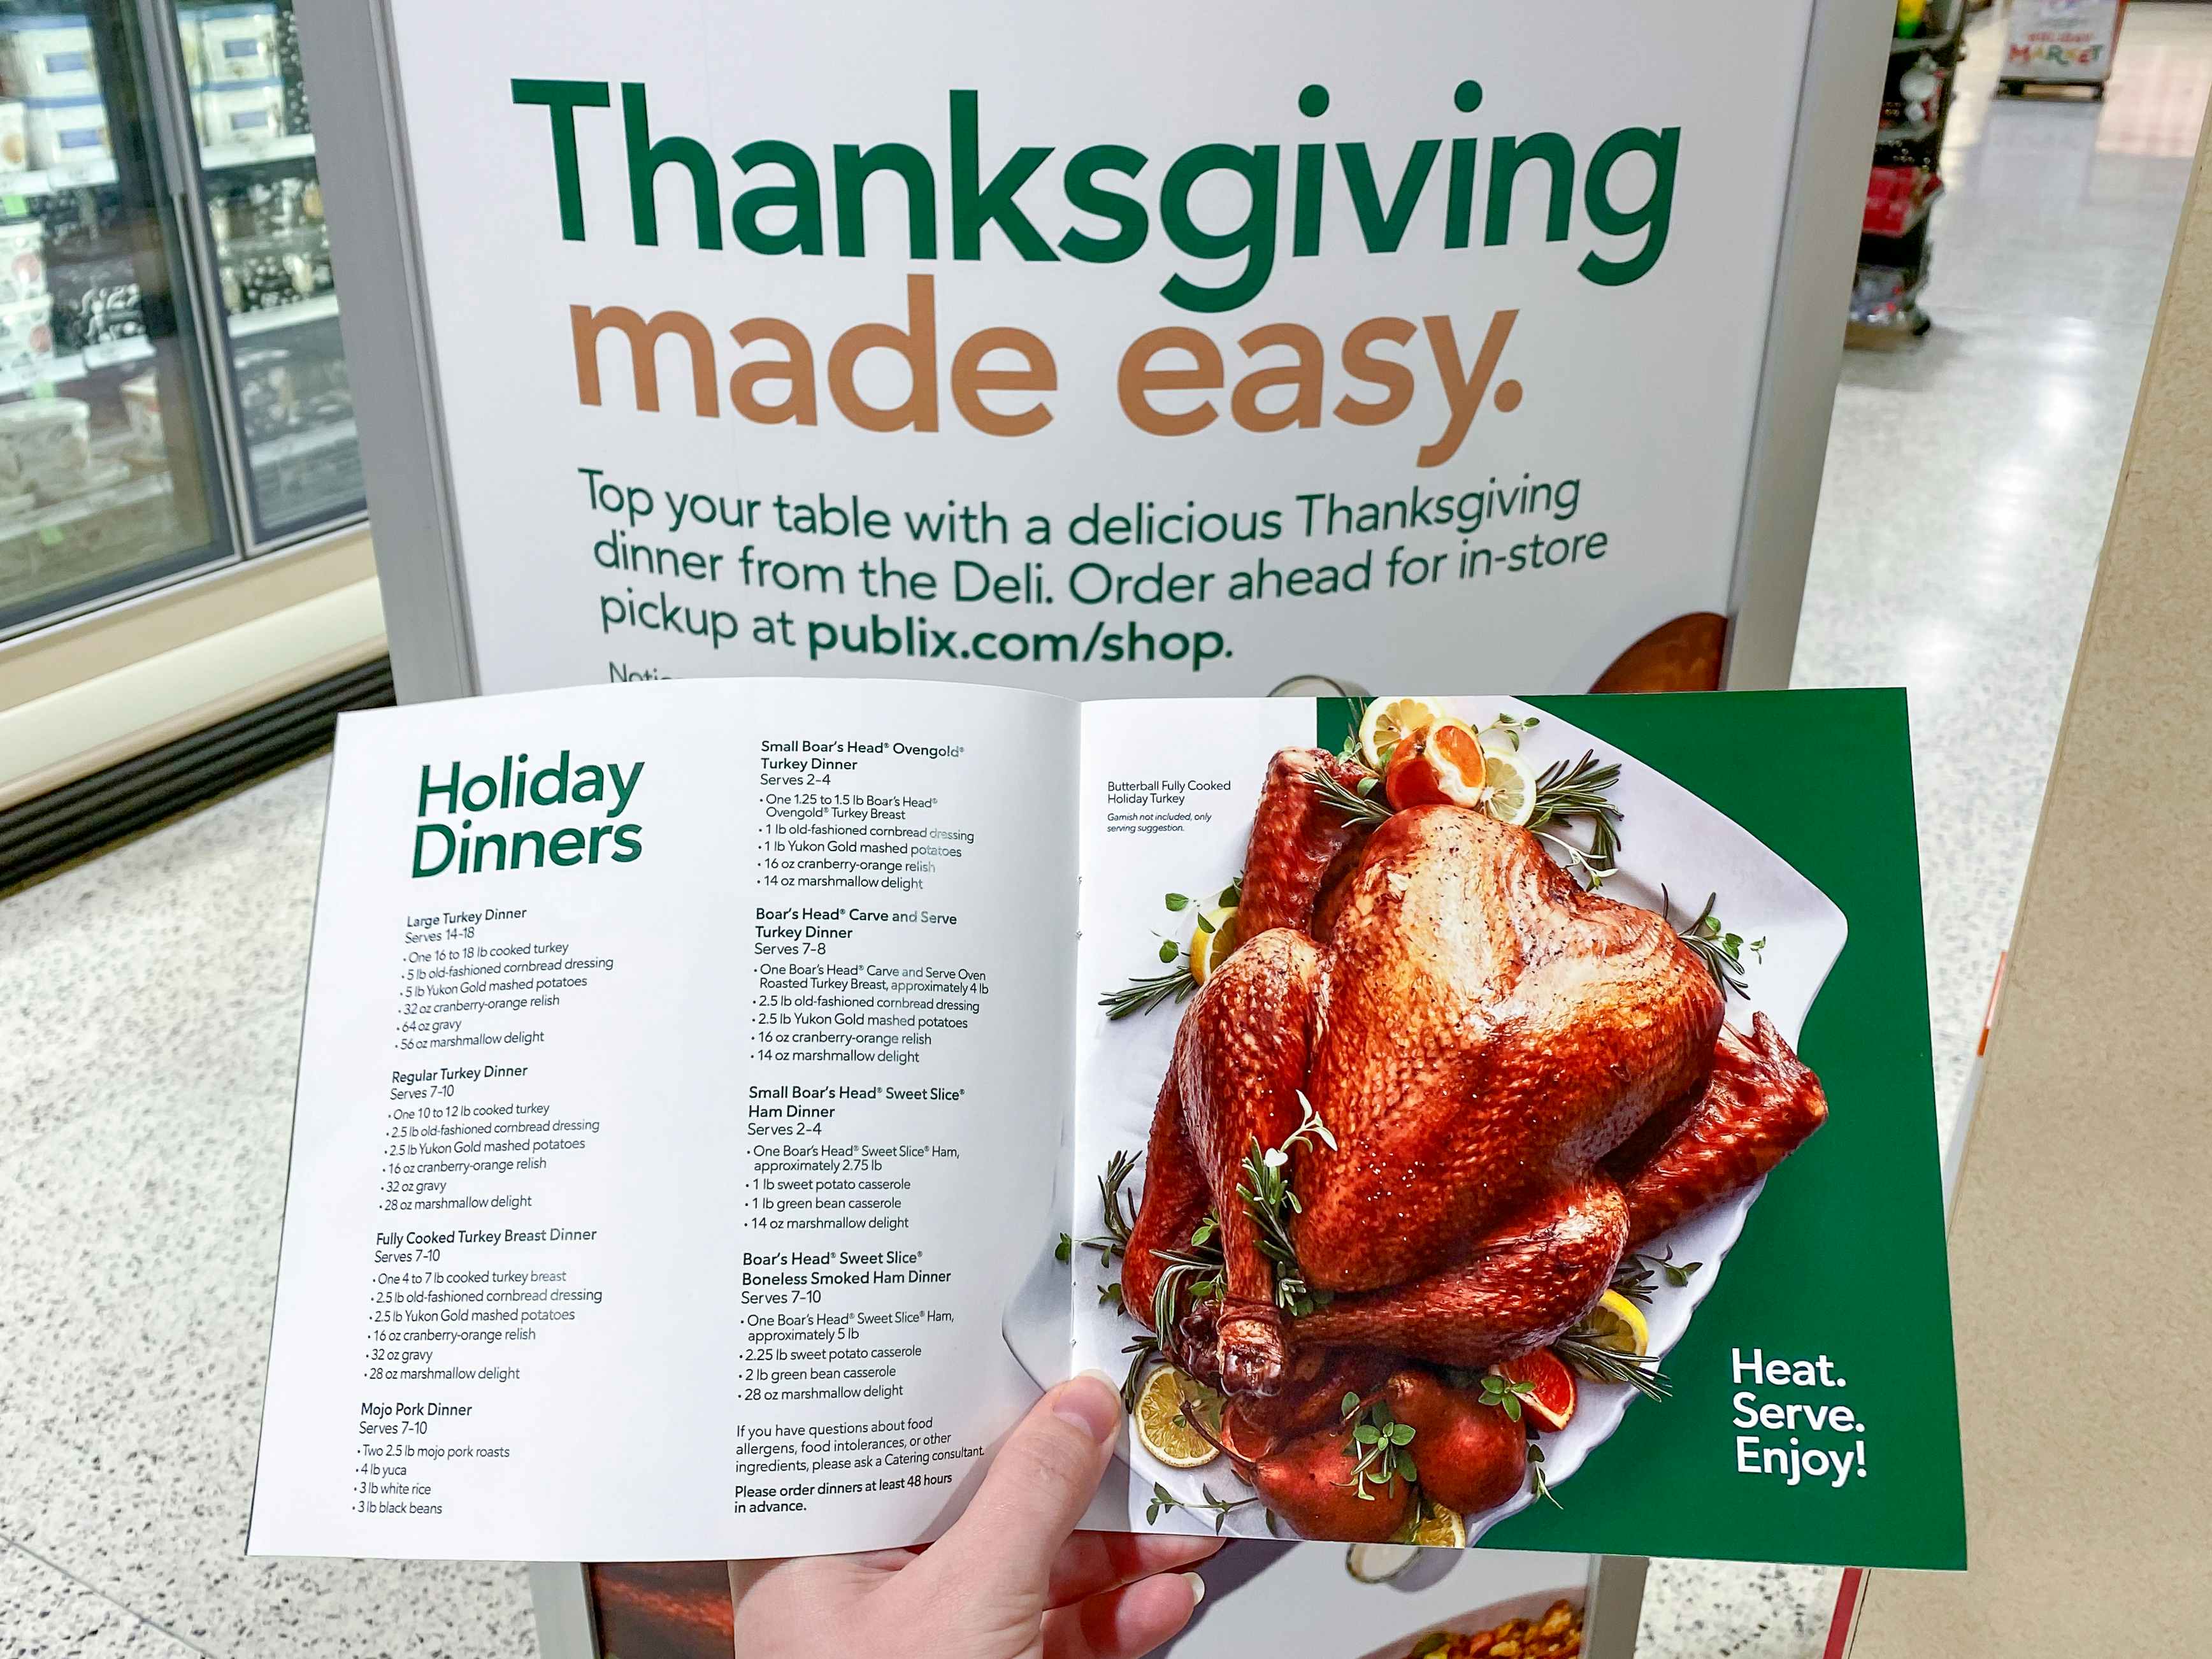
point(683, 1078)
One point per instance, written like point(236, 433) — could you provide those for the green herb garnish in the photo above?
point(1163, 1501)
point(1378, 1443)
point(1268, 1200)
point(1506, 1394)
point(1634, 1275)
point(1140, 995)
point(1720, 950)
point(1566, 793)
point(1540, 1485)
point(1357, 805)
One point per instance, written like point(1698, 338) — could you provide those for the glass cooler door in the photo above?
point(106, 483)
point(241, 110)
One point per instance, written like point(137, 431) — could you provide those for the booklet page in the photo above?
point(682, 1090)
point(1484, 1133)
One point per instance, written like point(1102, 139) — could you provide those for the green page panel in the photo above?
point(1842, 1257)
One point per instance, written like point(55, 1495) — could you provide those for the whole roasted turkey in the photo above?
point(1522, 1080)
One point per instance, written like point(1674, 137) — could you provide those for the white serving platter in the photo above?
point(1671, 841)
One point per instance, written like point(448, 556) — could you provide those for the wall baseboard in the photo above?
point(89, 813)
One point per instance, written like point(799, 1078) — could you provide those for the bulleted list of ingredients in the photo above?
point(684, 1093)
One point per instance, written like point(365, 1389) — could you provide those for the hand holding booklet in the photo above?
point(725, 1104)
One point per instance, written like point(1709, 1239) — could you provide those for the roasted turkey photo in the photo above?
point(1445, 1086)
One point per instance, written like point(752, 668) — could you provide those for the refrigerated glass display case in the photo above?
point(173, 389)
point(268, 256)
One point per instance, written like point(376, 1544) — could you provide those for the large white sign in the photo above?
point(1131, 350)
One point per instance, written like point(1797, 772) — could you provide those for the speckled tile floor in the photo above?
point(149, 1001)
point(148, 1036)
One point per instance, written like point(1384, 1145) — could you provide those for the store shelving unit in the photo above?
point(32, 182)
point(316, 308)
point(1906, 180)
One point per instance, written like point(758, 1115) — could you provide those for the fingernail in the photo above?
point(1092, 1403)
point(1197, 1588)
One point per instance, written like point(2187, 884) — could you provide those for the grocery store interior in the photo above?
point(174, 408)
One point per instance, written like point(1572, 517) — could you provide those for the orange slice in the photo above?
point(1442, 765)
point(1389, 721)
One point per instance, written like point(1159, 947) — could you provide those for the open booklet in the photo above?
point(724, 1105)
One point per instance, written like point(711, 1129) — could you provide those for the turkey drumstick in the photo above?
point(1239, 1059)
point(1296, 835)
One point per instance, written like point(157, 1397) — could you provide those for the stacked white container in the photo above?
point(237, 43)
point(230, 65)
point(48, 56)
point(188, 47)
point(241, 112)
point(66, 132)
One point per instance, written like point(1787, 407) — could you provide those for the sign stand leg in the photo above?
point(561, 1600)
point(1614, 1610)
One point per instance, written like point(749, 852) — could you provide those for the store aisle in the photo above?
point(149, 1001)
point(1969, 480)
point(1968, 483)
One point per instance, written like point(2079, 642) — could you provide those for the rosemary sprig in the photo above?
point(1120, 1209)
point(1378, 1444)
point(1720, 950)
point(1603, 1365)
point(1197, 1270)
point(1163, 1501)
point(1634, 1275)
point(1141, 995)
point(1566, 792)
point(1357, 805)
point(1268, 1200)
point(1146, 1349)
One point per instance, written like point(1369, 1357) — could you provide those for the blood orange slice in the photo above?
point(1547, 1394)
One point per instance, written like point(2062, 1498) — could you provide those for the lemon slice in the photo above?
point(1509, 786)
point(1378, 1563)
point(1389, 721)
point(1213, 941)
point(1161, 1428)
point(1440, 1528)
point(1618, 1323)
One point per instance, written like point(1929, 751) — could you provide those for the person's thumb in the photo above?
point(1038, 1486)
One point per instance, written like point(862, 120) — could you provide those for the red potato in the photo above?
point(1471, 1457)
point(1309, 1483)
